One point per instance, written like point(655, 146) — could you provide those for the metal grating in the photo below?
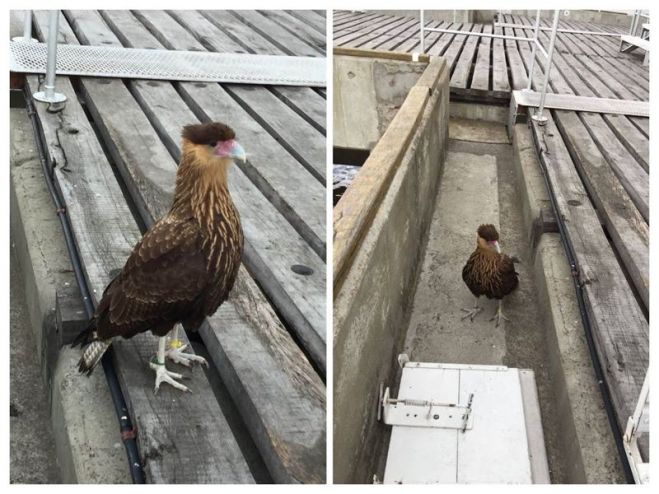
point(171, 65)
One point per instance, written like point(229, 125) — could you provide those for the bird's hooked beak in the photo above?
point(230, 149)
point(495, 244)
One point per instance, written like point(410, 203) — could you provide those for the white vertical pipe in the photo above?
point(533, 49)
point(48, 95)
point(421, 25)
point(27, 25)
point(51, 63)
point(550, 53)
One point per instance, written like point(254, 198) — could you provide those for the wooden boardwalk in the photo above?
point(115, 149)
point(597, 164)
point(485, 68)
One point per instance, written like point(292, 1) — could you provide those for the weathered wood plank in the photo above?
point(453, 51)
point(540, 62)
point(296, 23)
point(634, 141)
point(443, 41)
point(623, 221)
point(357, 32)
point(518, 73)
point(317, 22)
point(276, 34)
point(631, 174)
point(460, 77)
point(499, 66)
point(374, 31)
point(413, 43)
point(264, 342)
point(392, 38)
point(620, 330)
point(481, 78)
point(180, 440)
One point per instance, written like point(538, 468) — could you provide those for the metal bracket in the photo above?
point(426, 413)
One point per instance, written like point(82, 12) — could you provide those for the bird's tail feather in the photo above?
point(93, 348)
point(92, 355)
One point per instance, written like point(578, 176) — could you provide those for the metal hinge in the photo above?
point(426, 413)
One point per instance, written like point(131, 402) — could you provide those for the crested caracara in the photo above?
point(184, 266)
point(489, 272)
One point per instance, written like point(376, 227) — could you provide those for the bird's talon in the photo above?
point(169, 377)
point(177, 356)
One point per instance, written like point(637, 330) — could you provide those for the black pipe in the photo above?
point(128, 433)
point(585, 318)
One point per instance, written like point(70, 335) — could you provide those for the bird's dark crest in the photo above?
point(488, 232)
point(208, 133)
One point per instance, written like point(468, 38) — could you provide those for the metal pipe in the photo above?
point(474, 33)
point(423, 41)
point(561, 30)
point(542, 49)
point(27, 25)
point(27, 29)
point(533, 49)
point(49, 95)
point(538, 116)
point(51, 64)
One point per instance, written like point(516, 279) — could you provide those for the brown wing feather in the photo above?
point(490, 274)
point(160, 283)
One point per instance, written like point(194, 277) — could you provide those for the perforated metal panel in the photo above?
point(133, 63)
point(583, 103)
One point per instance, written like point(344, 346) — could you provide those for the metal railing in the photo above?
point(536, 47)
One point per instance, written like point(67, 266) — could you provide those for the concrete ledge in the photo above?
point(84, 422)
point(536, 206)
point(372, 306)
point(586, 435)
point(479, 111)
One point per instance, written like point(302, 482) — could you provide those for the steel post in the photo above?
point(48, 95)
point(421, 25)
point(533, 49)
point(539, 117)
point(27, 29)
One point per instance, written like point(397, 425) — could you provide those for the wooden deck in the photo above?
point(115, 148)
point(597, 164)
point(486, 68)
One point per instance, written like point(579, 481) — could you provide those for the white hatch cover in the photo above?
point(464, 424)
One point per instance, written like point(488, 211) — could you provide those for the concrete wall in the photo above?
point(367, 95)
point(372, 307)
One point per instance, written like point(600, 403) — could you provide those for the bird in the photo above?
point(489, 272)
point(184, 266)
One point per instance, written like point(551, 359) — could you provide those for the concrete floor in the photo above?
point(479, 186)
point(32, 446)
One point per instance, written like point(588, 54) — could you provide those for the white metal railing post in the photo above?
point(533, 49)
point(48, 95)
point(421, 25)
point(27, 29)
point(539, 117)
